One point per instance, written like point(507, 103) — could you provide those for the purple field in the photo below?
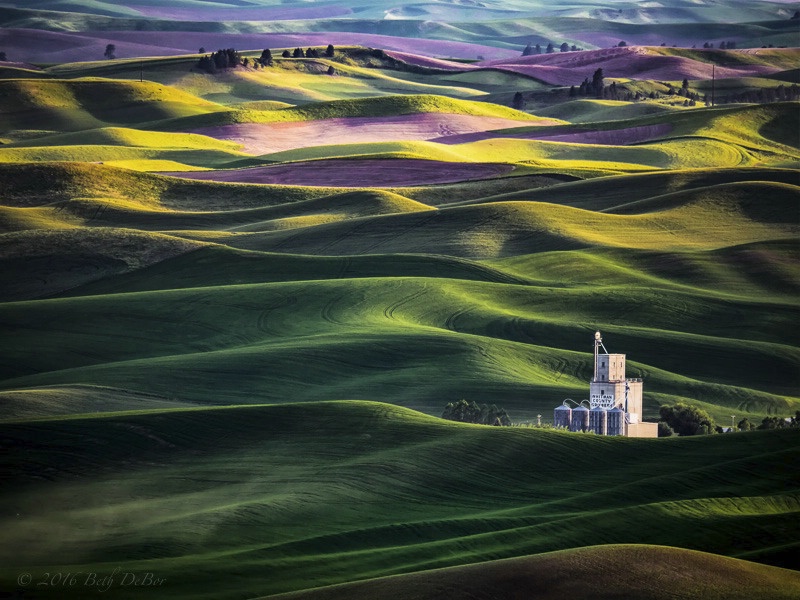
point(357, 173)
point(265, 138)
point(29, 45)
point(431, 63)
point(610, 137)
point(569, 68)
point(210, 14)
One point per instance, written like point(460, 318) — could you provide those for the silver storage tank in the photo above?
point(580, 419)
point(598, 420)
point(562, 416)
point(616, 421)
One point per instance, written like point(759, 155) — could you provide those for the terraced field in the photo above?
point(233, 304)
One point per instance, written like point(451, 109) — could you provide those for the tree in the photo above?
point(550, 48)
point(537, 49)
point(686, 419)
point(330, 51)
point(266, 57)
point(745, 425)
point(527, 51)
point(233, 57)
point(298, 53)
point(207, 64)
point(795, 16)
point(564, 47)
point(3, 57)
point(110, 52)
point(202, 50)
point(597, 83)
point(622, 44)
point(286, 54)
point(572, 91)
point(665, 430)
point(519, 101)
point(331, 70)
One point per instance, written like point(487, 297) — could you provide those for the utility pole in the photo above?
point(713, 83)
point(141, 71)
point(732, 418)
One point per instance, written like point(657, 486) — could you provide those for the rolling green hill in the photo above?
point(299, 496)
point(670, 271)
point(76, 104)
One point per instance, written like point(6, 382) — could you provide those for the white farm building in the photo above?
point(615, 402)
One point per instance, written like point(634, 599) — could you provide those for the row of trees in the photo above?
point(565, 47)
point(309, 53)
point(771, 423)
point(230, 58)
point(686, 419)
point(550, 49)
point(782, 93)
point(595, 87)
point(472, 412)
point(722, 45)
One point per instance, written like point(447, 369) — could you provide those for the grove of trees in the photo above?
point(221, 59)
point(229, 58)
point(472, 412)
point(686, 419)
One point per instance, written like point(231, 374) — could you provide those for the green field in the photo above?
point(309, 495)
point(232, 390)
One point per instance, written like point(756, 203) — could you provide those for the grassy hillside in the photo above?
point(361, 107)
point(76, 104)
point(685, 257)
point(419, 342)
point(593, 572)
point(299, 496)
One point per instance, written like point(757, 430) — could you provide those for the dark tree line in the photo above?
point(782, 93)
point(330, 51)
point(221, 59)
point(472, 412)
point(722, 45)
point(230, 58)
point(685, 419)
point(771, 423)
point(596, 87)
point(550, 49)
